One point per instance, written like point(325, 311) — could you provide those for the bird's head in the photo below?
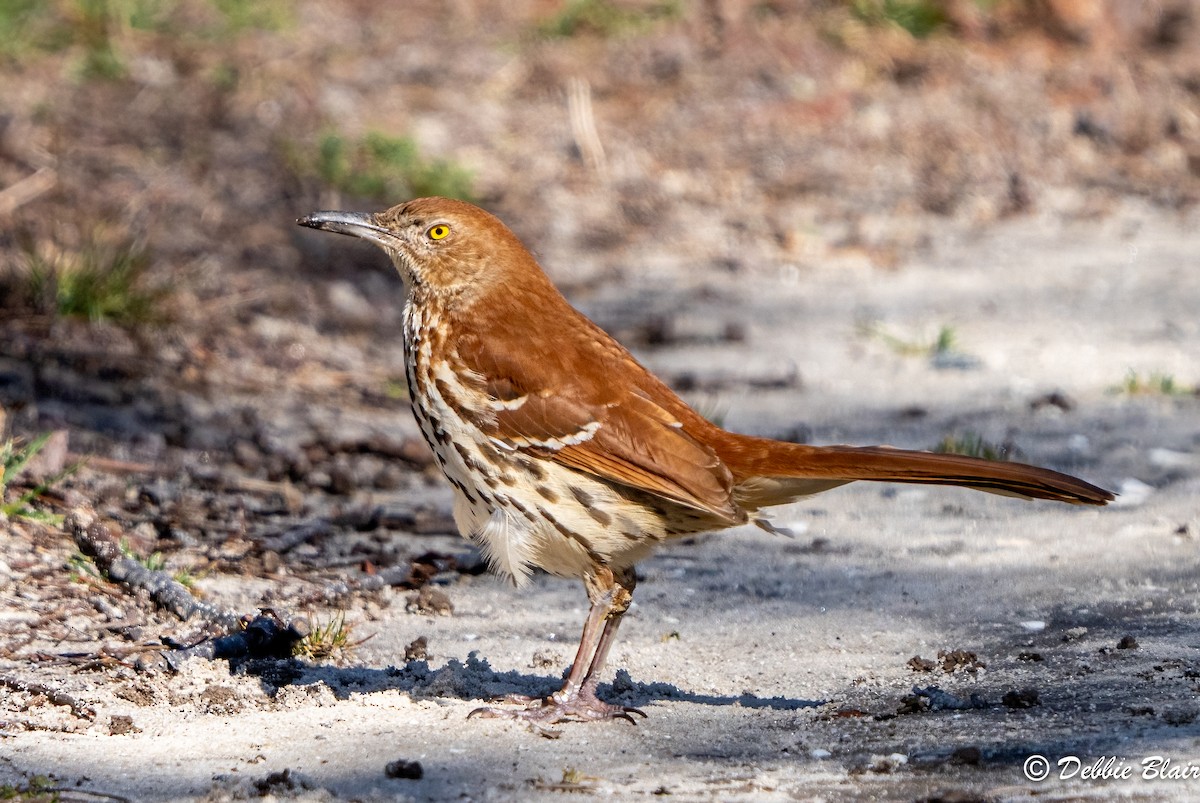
point(440, 246)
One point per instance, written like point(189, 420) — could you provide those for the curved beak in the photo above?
point(355, 224)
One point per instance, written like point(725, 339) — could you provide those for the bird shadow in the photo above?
point(474, 679)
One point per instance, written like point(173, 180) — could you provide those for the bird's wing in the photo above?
point(583, 408)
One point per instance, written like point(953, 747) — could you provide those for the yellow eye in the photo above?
point(438, 232)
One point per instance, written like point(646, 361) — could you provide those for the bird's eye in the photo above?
point(438, 232)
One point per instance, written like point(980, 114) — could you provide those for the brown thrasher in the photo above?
point(567, 455)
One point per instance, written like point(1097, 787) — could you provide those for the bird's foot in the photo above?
point(540, 713)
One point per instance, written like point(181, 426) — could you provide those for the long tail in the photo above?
point(770, 472)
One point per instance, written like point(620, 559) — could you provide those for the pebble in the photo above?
point(408, 770)
point(887, 764)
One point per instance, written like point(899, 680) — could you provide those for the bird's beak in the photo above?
point(355, 224)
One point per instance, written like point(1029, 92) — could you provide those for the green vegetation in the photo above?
point(39, 789)
point(155, 562)
point(28, 25)
point(606, 18)
point(261, 15)
point(97, 27)
point(328, 641)
point(82, 567)
point(99, 282)
point(1154, 384)
point(396, 389)
point(186, 579)
point(944, 343)
point(971, 444)
point(94, 26)
point(380, 167)
point(13, 459)
point(919, 17)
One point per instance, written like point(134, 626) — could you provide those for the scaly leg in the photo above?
point(610, 596)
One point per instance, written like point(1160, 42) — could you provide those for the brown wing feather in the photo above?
point(605, 422)
point(638, 445)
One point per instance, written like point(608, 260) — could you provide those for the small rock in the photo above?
point(112, 612)
point(121, 724)
point(544, 658)
point(1033, 625)
point(1127, 642)
point(919, 664)
point(954, 660)
point(430, 600)
point(150, 663)
point(933, 698)
point(417, 650)
point(284, 781)
point(1025, 698)
point(408, 770)
point(1074, 633)
point(342, 481)
point(819, 754)
point(1183, 715)
point(137, 693)
point(970, 756)
point(887, 764)
point(271, 561)
point(1054, 399)
point(246, 454)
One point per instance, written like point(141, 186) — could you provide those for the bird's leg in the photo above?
point(622, 588)
point(610, 595)
point(595, 626)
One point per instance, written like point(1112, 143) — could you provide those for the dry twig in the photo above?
point(97, 542)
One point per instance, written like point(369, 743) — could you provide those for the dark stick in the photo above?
point(97, 542)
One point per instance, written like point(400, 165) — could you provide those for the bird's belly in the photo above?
point(527, 511)
point(557, 519)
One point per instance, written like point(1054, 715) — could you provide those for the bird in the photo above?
point(567, 455)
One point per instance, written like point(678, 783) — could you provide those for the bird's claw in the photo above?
point(539, 713)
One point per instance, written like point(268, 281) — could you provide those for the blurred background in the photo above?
point(958, 224)
point(160, 310)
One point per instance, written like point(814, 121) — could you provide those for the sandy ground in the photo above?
point(777, 669)
point(775, 205)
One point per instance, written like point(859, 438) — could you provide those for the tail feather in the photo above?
point(771, 472)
